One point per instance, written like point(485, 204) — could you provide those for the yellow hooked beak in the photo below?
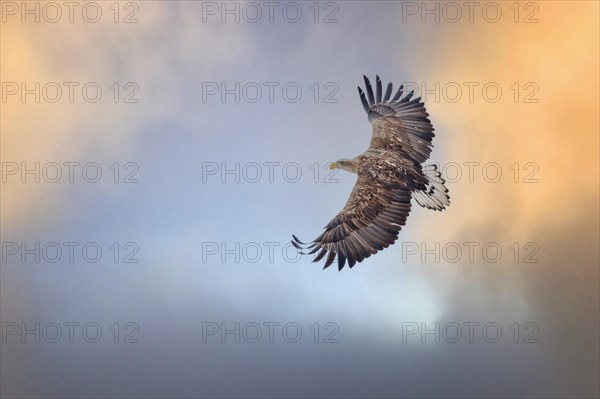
point(333, 165)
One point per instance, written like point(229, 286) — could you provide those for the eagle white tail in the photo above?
point(435, 196)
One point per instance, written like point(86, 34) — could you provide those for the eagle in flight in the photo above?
point(390, 173)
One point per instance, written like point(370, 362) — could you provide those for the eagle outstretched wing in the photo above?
point(369, 222)
point(397, 122)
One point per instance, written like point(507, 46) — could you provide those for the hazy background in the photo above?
point(543, 124)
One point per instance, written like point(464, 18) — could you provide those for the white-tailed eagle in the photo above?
point(390, 173)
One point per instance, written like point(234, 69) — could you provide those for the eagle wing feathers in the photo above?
point(398, 122)
point(369, 222)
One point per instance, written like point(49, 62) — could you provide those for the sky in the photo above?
point(156, 159)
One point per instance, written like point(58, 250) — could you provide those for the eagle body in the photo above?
point(391, 168)
point(390, 173)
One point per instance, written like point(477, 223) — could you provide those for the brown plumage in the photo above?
point(389, 173)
